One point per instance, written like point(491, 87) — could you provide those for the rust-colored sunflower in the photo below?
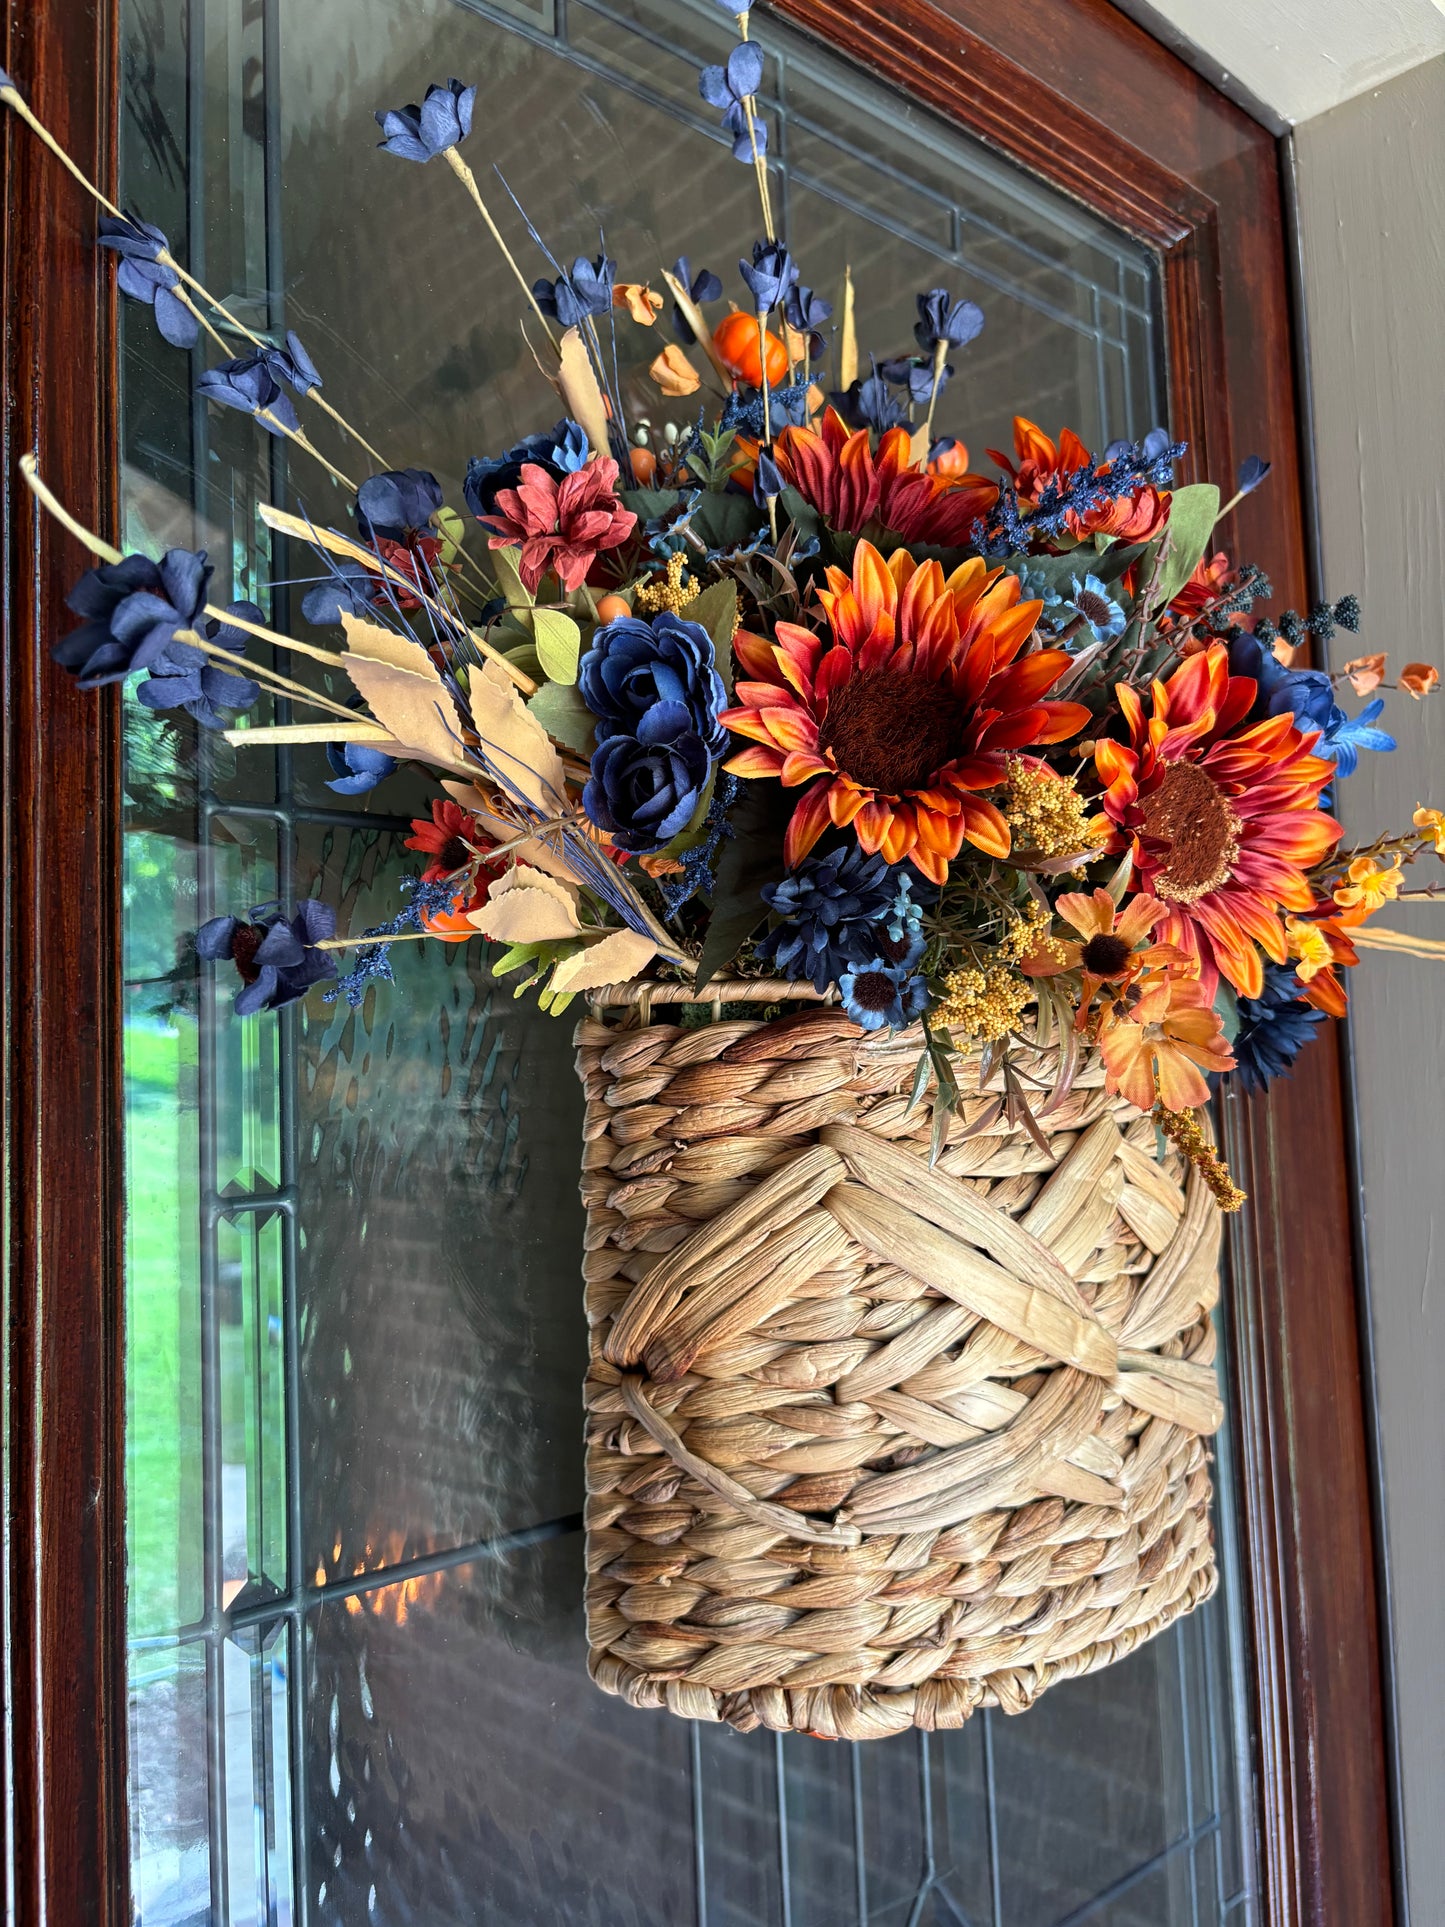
point(838, 474)
point(906, 713)
point(1223, 816)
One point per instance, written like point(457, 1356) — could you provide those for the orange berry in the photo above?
point(644, 466)
point(736, 340)
point(612, 607)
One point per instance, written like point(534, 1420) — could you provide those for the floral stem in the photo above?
point(469, 181)
point(760, 167)
point(55, 508)
point(272, 678)
point(15, 100)
point(940, 356)
point(302, 440)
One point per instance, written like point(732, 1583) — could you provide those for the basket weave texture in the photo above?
point(871, 1445)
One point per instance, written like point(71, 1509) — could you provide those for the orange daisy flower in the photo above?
point(1158, 1049)
point(1223, 819)
point(909, 711)
point(1135, 517)
point(1112, 946)
point(838, 474)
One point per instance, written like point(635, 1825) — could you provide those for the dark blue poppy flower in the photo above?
point(1273, 1028)
point(834, 911)
point(398, 504)
point(443, 120)
point(916, 375)
point(130, 613)
point(646, 788)
point(704, 286)
point(561, 451)
point(1252, 471)
point(249, 384)
point(941, 318)
point(876, 995)
point(357, 767)
point(586, 289)
point(351, 589)
point(768, 481)
point(727, 87)
point(275, 954)
point(144, 277)
point(770, 275)
point(185, 677)
point(633, 666)
point(805, 310)
point(868, 404)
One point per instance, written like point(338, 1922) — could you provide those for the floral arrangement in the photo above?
point(790, 695)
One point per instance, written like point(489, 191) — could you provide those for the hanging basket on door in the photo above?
point(873, 1443)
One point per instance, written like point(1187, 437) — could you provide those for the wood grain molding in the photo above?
point(64, 1571)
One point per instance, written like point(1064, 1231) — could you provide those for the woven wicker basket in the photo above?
point(871, 1445)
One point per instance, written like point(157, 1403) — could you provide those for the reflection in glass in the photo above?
point(358, 1687)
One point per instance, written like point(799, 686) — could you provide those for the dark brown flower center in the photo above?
point(1190, 814)
point(893, 732)
point(873, 989)
point(244, 944)
point(1093, 607)
point(894, 949)
point(1105, 955)
point(453, 855)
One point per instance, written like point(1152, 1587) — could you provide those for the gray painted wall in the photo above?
point(1372, 228)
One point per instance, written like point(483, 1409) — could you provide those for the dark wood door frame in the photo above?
point(1076, 92)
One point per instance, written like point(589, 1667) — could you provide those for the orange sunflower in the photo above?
point(911, 709)
point(1133, 517)
point(838, 474)
point(1222, 816)
point(1158, 1046)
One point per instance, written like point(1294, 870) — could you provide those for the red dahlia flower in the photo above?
point(1223, 818)
point(560, 524)
point(913, 707)
point(838, 474)
point(1133, 517)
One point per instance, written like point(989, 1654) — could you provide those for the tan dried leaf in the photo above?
point(580, 391)
point(400, 686)
point(514, 742)
point(615, 960)
point(525, 915)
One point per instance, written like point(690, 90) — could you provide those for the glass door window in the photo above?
point(358, 1690)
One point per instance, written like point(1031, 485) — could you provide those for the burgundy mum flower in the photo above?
point(561, 524)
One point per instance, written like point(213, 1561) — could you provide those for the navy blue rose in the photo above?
point(645, 788)
point(562, 450)
point(274, 954)
point(634, 667)
point(130, 613)
point(185, 677)
point(1306, 694)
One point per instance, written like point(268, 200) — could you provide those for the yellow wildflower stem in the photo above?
point(468, 180)
point(940, 356)
point(1402, 942)
point(760, 167)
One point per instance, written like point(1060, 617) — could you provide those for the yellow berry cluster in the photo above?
point(1045, 812)
point(666, 592)
point(986, 1003)
point(1184, 1128)
point(1028, 935)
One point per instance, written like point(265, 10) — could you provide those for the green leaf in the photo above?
point(1227, 1004)
point(558, 642)
point(726, 521)
point(920, 1080)
point(559, 708)
point(803, 516)
point(524, 656)
point(751, 857)
point(650, 504)
point(514, 592)
point(1193, 512)
point(451, 528)
point(716, 610)
point(1119, 882)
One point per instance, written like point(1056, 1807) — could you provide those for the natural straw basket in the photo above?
point(871, 1445)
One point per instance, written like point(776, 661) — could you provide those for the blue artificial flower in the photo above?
point(357, 767)
point(1345, 736)
point(586, 289)
point(130, 613)
point(144, 277)
point(1252, 471)
point(185, 677)
point(908, 371)
point(805, 310)
point(903, 941)
point(770, 275)
point(1034, 586)
point(833, 910)
point(634, 667)
point(249, 384)
point(703, 286)
point(1273, 1028)
point(274, 954)
point(421, 133)
point(645, 788)
point(787, 405)
point(561, 451)
point(867, 403)
point(351, 589)
point(874, 995)
point(726, 88)
point(397, 505)
point(1092, 601)
point(768, 482)
point(941, 318)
